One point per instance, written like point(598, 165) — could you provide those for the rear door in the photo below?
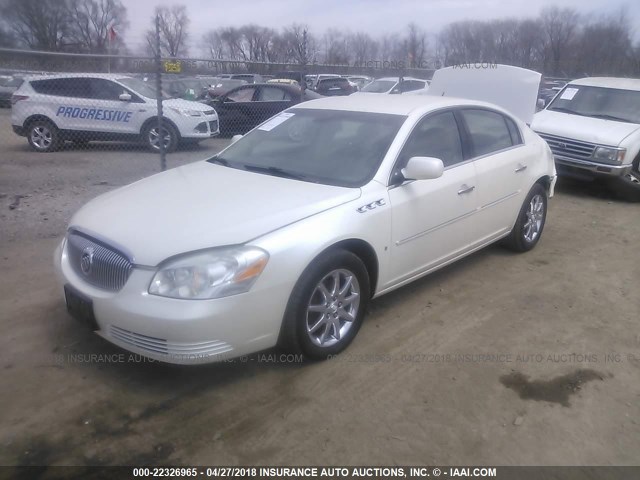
point(271, 100)
point(500, 159)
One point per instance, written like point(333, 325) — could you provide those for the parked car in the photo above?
point(335, 86)
point(593, 129)
point(248, 77)
point(222, 86)
point(52, 109)
point(8, 85)
point(292, 75)
point(284, 81)
point(247, 106)
point(286, 235)
point(360, 81)
point(395, 85)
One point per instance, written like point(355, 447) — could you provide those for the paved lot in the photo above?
point(543, 362)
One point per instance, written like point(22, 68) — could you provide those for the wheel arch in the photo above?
point(364, 251)
point(164, 119)
point(545, 181)
point(35, 117)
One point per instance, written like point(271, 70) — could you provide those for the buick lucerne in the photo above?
point(285, 236)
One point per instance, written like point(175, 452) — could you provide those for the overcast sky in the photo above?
point(377, 17)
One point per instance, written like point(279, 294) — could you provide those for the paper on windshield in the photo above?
point(275, 121)
point(568, 93)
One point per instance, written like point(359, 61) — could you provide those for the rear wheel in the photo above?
point(527, 231)
point(327, 306)
point(43, 136)
point(153, 135)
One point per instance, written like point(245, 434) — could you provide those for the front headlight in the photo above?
point(214, 273)
point(187, 113)
point(609, 155)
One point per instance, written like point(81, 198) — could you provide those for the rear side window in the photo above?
point(63, 87)
point(488, 130)
point(102, 89)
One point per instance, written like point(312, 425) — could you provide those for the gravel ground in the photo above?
point(500, 359)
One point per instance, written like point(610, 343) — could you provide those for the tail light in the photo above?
point(16, 98)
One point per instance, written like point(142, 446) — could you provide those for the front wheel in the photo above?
point(153, 135)
point(327, 306)
point(527, 231)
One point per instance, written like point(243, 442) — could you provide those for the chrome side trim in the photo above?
point(433, 229)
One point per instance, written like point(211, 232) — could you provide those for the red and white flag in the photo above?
point(111, 34)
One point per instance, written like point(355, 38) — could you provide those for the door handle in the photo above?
point(465, 189)
point(521, 168)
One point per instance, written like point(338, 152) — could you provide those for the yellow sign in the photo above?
point(173, 67)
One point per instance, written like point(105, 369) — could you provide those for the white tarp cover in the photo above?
point(513, 88)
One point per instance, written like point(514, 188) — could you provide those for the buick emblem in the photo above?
point(86, 260)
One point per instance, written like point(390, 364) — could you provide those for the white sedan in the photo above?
point(284, 237)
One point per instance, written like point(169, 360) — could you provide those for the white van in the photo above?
point(51, 109)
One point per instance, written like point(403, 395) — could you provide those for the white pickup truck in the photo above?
point(593, 129)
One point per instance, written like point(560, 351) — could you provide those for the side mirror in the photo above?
point(423, 168)
point(541, 103)
point(235, 138)
point(125, 97)
point(395, 91)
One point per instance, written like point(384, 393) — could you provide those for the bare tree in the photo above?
point(174, 22)
point(91, 20)
point(336, 48)
point(415, 45)
point(300, 44)
point(38, 24)
point(364, 47)
point(560, 27)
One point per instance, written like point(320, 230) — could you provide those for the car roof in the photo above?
point(609, 82)
point(392, 104)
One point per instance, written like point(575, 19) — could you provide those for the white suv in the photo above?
point(82, 107)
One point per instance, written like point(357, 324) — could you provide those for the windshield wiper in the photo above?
point(275, 171)
point(566, 110)
point(219, 161)
point(609, 117)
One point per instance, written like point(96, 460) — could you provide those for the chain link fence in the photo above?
point(63, 101)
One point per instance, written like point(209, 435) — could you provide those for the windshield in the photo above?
point(379, 86)
point(142, 88)
point(333, 147)
point(599, 102)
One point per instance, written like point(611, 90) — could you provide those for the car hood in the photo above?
point(513, 88)
point(588, 129)
point(186, 104)
point(201, 205)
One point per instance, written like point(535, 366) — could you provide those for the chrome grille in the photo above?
point(108, 268)
point(566, 147)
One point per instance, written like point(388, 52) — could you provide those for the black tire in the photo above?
point(524, 235)
point(628, 187)
point(43, 136)
point(149, 133)
point(295, 335)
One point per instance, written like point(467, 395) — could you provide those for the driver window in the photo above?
point(435, 136)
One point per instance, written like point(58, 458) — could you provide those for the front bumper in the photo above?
point(199, 127)
point(590, 168)
point(180, 331)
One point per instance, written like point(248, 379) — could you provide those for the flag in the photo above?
point(112, 34)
